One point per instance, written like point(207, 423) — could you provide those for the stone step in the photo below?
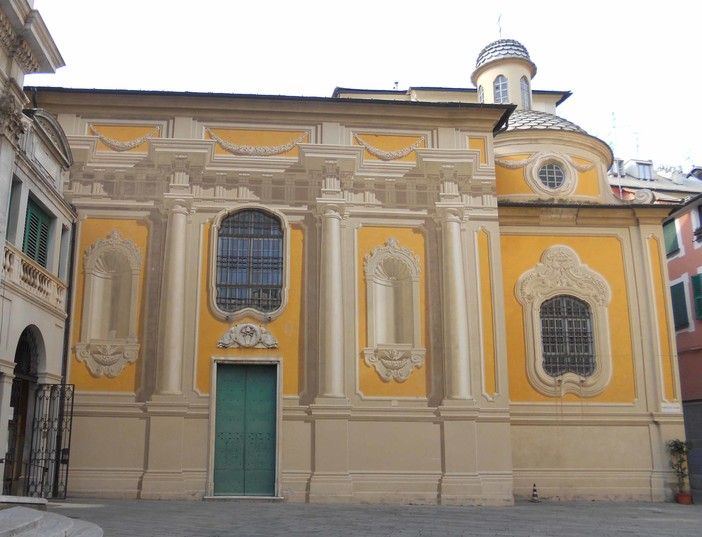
point(25, 522)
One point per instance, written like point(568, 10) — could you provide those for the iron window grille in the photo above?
point(566, 337)
point(551, 175)
point(249, 262)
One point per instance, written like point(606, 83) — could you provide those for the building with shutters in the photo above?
point(683, 239)
point(422, 296)
point(36, 225)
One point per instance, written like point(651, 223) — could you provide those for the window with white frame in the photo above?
point(249, 263)
point(526, 92)
point(696, 281)
point(645, 171)
point(500, 89)
point(36, 233)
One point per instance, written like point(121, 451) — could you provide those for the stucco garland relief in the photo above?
point(123, 146)
point(248, 336)
point(392, 303)
point(108, 328)
point(389, 155)
point(561, 272)
point(537, 160)
point(255, 151)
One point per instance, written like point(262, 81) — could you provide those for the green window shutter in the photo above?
point(697, 294)
point(677, 295)
point(671, 238)
point(36, 233)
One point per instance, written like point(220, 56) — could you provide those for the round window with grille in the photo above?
point(551, 175)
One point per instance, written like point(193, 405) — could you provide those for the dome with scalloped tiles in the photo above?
point(533, 119)
point(504, 49)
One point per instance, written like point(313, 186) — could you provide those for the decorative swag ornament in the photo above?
point(389, 155)
point(123, 146)
point(254, 151)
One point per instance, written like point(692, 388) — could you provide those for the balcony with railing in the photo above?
point(29, 278)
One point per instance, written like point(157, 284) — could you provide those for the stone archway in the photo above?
point(24, 383)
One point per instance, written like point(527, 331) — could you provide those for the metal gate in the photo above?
point(47, 474)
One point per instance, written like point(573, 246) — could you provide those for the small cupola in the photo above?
point(503, 73)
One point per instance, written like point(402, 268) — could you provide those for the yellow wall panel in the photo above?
point(486, 299)
point(125, 133)
point(511, 182)
point(481, 145)
point(287, 328)
point(664, 352)
point(257, 138)
point(390, 143)
point(369, 381)
point(92, 230)
point(588, 182)
point(603, 255)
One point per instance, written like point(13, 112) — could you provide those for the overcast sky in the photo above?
point(633, 68)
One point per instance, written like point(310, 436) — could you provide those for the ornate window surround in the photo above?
point(109, 355)
point(570, 174)
point(248, 312)
point(392, 360)
point(561, 272)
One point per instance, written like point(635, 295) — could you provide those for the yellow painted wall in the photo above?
point(588, 182)
point(512, 181)
point(390, 143)
point(124, 133)
point(664, 353)
point(603, 255)
point(91, 230)
point(257, 138)
point(486, 299)
point(287, 328)
point(417, 385)
point(481, 145)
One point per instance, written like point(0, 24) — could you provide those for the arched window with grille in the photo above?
point(249, 268)
point(566, 336)
point(499, 89)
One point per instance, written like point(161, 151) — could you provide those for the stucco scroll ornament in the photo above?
point(389, 155)
point(644, 196)
point(123, 146)
point(561, 272)
point(516, 164)
point(249, 336)
point(255, 151)
point(107, 359)
point(393, 362)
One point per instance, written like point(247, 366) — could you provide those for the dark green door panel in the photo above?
point(245, 427)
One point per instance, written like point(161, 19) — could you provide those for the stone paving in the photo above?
point(143, 518)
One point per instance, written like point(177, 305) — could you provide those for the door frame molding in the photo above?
point(276, 361)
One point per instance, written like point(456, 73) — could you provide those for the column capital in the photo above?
point(180, 205)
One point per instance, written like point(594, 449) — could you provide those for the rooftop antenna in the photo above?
point(395, 85)
point(499, 24)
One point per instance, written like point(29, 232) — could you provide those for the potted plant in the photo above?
point(678, 450)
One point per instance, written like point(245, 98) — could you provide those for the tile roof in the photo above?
point(533, 119)
point(500, 49)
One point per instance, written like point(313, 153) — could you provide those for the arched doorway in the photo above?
point(22, 401)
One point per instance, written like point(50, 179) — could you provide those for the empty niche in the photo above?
point(108, 329)
point(392, 310)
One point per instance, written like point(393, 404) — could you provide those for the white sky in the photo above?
point(631, 65)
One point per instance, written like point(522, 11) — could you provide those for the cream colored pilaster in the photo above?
point(330, 211)
point(170, 360)
point(450, 212)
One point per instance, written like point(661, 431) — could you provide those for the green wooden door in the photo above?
point(245, 423)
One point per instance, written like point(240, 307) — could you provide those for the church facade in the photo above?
point(426, 296)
